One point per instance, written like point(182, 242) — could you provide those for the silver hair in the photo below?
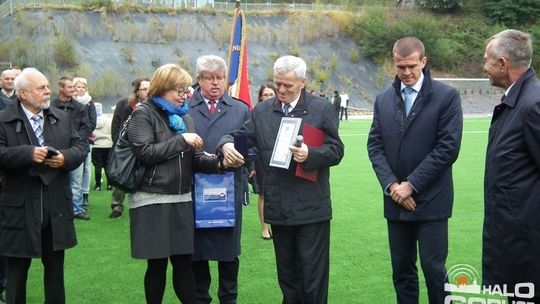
point(514, 45)
point(21, 81)
point(210, 64)
point(288, 63)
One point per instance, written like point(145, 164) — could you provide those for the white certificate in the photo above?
point(288, 130)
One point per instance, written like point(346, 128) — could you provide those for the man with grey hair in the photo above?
point(7, 79)
point(298, 209)
point(215, 114)
point(38, 148)
point(511, 237)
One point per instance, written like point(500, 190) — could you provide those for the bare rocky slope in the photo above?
point(111, 49)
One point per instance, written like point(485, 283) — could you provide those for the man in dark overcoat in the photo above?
point(414, 139)
point(215, 114)
point(298, 209)
point(511, 238)
point(36, 215)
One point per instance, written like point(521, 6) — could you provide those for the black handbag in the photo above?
point(125, 171)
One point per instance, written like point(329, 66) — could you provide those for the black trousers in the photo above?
point(228, 281)
point(302, 259)
point(53, 277)
point(432, 240)
point(100, 159)
point(341, 111)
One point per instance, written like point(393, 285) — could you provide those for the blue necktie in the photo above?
point(408, 99)
point(36, 125)
point(286, 109)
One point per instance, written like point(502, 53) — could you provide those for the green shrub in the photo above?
point(64, 52)
point(512, 12)
point(354, 55)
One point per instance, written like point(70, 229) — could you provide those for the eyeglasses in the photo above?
point(213, 78)
point(268, 95)
point(181, 92)
point(143, 89)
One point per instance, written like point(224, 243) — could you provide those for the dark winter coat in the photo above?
point(168, 158)
point(419, 148)
point(288, 199)
point(34, 195)
point(221, 244)
point(511, 240)
point(78, 114)
point(121, 112)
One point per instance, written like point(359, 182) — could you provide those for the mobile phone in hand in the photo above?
point(51, 152)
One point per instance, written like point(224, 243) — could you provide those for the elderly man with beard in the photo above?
point(38, 148)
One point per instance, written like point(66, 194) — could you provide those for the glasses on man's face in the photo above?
point(143, 89)
point(213, 78)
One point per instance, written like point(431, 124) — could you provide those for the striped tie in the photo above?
point(286, 109)
point(36, 125)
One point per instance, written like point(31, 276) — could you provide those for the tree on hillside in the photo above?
point(511, 12)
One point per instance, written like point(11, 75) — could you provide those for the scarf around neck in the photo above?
point(174, 113)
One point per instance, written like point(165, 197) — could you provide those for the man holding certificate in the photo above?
point(298, 209)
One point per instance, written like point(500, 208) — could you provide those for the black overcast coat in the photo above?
point(288, 199)
point(511, 240)
point(33, 194)
point(420, 148)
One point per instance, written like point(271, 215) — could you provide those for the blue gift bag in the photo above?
point(214, 200)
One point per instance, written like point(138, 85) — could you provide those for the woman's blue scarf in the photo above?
point(175, 113)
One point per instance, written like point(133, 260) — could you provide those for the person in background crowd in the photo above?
point(343, 106)
point(7, 79)
point(414, 139)
point(78, 114)
point(82, 96)
point(215, 113)
point(162, 136)
point(322, 94)
point(511, 245)
point(298, 210)
point(336, 102)
point(37, 183)
point(266, 91)
point(122, 110)
point(102, 146)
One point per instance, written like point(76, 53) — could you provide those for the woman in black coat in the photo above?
point(162, 137)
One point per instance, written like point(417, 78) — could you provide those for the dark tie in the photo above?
point(503, 98)
point(286, 109)
point(36, 125)
point(408, 99)
point(212, 106)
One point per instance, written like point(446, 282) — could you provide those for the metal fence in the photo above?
point(9, 6)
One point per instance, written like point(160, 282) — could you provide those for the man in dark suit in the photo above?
point(414, 140)
point(215, 114)
point(511, 238)
point(35, 204)
point(78, 115)
point(299, 210)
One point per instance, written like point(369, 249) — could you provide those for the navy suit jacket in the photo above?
point(419, 148)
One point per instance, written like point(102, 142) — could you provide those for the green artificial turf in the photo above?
point(100, 269)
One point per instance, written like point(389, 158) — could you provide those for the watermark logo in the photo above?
point(463, 278)
point(463, 284)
